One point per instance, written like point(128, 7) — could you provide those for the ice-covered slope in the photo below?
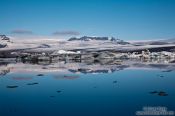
point(52, 44)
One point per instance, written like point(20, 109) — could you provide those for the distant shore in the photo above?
point(89, 47)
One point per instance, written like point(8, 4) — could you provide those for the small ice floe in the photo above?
point(153, 92)
point(159, 93)
point(159, 75)
point(162, 93)
point(40, 75)
point(32, 83)
point(52, 96)
point(11, 86)
point(59, 91)
point(95, 87)
point(65, 52)
point(114, 81)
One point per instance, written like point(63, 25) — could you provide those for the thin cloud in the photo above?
point(66, 33)
point(21, 31)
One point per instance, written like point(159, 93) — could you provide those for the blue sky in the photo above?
point(125, 19)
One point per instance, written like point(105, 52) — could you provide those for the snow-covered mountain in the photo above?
point(169, 40)
point(156, 42)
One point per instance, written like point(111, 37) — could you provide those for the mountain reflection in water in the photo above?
point(75, 67)
point(86, 88)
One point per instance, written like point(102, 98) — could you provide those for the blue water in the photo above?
point(120, 93)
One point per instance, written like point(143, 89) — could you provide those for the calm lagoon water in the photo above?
point(42, 90)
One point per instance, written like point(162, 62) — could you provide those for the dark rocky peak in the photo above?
point(119, 41)
point(4, 37)
point(87, 38)
point(3, 45)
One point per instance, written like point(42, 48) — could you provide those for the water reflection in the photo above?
point(22, 78)
point(85, 88)
point(85, 67)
